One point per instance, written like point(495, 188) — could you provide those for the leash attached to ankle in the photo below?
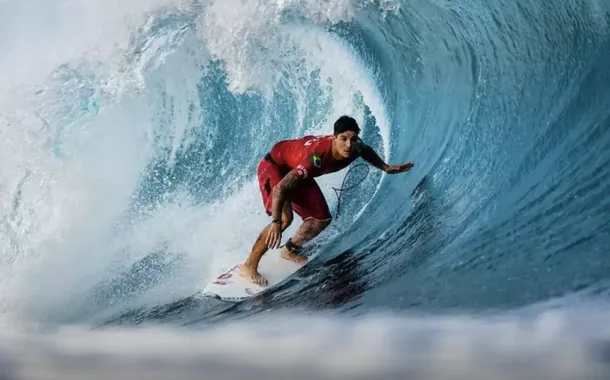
point(293, 248)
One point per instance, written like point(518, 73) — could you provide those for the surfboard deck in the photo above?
point(230, 286)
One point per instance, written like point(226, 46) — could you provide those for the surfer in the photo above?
point(286, 179)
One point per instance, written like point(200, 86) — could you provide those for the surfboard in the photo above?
point(232, 287)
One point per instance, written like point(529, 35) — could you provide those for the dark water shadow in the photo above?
point(195, 309)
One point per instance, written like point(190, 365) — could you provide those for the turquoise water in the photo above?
point(128, 153)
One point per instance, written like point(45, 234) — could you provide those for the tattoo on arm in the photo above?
point(370, 156)
point(290, 181)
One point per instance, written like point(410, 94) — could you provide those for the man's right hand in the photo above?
point(395, 169)
point(274, 236)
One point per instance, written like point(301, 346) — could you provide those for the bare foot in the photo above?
point(252, 275)
point(286, 254)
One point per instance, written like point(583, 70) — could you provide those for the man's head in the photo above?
point(346, 134)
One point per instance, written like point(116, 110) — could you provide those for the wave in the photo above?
point(127, 154)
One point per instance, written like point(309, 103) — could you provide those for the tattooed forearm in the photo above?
point(279, 193)
point(370, 156)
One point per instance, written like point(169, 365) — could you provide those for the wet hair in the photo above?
point(346, 123)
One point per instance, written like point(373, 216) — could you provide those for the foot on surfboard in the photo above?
point(252, 275)
point(286, 254)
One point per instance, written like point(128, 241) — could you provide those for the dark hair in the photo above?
point(346, 123)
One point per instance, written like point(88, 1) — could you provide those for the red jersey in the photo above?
point(309, 156)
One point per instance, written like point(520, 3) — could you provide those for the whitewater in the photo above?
point(129, 138)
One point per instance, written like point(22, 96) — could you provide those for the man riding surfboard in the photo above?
point(286, 178)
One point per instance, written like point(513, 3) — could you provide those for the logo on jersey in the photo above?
point(301, 171)
point(316, 160)
point(313, 140)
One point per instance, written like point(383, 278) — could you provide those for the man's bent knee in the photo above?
point(319, 224)
point(324, 223)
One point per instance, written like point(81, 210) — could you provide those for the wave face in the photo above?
point(131, 134)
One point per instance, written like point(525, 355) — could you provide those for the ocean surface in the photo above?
point(129, 138)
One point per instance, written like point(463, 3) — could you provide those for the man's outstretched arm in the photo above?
point(369, 155)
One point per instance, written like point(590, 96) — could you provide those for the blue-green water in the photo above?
point(131, 137)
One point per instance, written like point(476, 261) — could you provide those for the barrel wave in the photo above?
point(129, 142)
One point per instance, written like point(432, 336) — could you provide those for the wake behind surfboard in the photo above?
point(231, 287)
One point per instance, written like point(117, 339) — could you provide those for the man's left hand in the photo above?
point(395, 169)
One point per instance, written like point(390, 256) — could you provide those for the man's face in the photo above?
point(346, 143)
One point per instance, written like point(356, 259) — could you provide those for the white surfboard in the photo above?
point(232, 287)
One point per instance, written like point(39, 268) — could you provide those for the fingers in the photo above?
point(276, 241)
point(268, 236)
point(273, 237)
point(407, 166)
point(268, 239)
point(396, 169)
point(393, 169)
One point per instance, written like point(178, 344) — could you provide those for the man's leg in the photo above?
point(268, 175)
point(309, 229)
point(249, 269)
point(310, 204)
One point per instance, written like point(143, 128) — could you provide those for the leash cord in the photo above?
point(343, 188)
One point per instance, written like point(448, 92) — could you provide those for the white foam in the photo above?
point(41, 35)
point(247, 36)
point(67, 174)
point(47, 198)
point(258, 48)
